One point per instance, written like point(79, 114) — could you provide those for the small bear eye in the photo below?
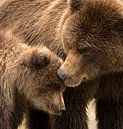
point(85, 51)
point(56, 87)
point(75, 4)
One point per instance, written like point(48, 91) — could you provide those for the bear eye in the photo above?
point(75, 4)
point(56, 87)
point(85, 51)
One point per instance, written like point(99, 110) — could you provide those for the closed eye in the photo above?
point(85, 51)
point(56, 87)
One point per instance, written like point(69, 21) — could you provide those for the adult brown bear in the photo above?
point(90, 32)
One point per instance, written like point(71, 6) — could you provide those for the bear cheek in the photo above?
point(58, 104)
point(91, 72)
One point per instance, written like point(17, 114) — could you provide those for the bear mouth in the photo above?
point(76, 81)
point(55, 112)
point(72, 82)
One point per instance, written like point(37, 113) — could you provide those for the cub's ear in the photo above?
point(37, 58)
point(74, 4)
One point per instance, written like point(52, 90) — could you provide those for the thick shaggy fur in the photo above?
point(26, 81)
point(90, 33)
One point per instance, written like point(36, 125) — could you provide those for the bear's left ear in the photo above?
point(74, 4)
point(37, 58)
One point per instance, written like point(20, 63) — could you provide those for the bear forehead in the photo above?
point(95, 24)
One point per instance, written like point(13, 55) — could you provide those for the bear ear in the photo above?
point(74, 4)
point(38, 59)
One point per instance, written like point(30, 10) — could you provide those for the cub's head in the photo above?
point(38, 82)
point(91, 32)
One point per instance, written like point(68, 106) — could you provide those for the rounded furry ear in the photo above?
point(38, 58)
point(74, 4)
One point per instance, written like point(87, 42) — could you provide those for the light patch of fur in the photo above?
point(2, 1)
point(92, 123)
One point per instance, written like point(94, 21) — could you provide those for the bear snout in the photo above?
point(63, 108)
point(61, 75)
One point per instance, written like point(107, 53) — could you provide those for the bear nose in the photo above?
point(61, 75)
point(62, 108)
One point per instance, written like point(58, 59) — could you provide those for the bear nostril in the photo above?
point(61, 75)
point(85, 78)
point(62, 109)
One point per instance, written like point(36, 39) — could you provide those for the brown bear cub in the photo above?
point(27, 80)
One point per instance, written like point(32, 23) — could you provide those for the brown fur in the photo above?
point(90, 32)
point(26, 81)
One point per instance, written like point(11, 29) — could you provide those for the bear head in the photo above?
point(35, 76)
point(91, 32)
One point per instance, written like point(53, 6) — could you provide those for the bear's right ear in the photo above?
point(37, 58)
point(74, 4)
